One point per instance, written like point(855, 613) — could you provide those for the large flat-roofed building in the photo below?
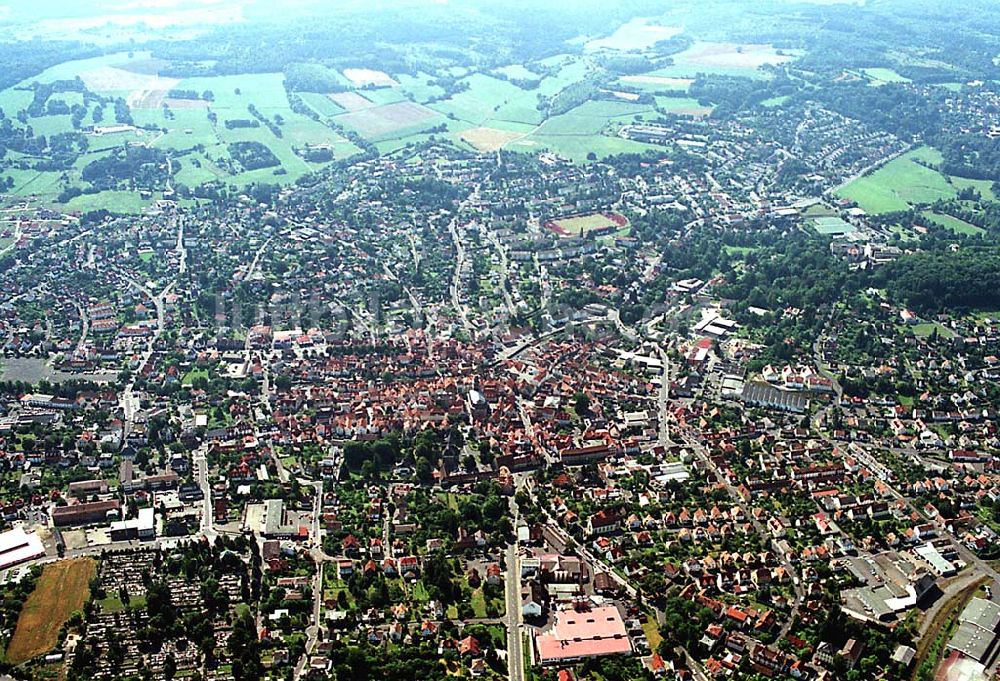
point(941, 566)
point(142, 526)
point(763, 395)
point(86, 514)
point(976, 635)
point(893, 585)
point(275, 526)
point(579, 634)
point(17, 546)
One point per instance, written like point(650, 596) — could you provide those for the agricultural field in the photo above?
point(517, 72)
point(637, 34)
point(351, 101)
point(63, 588)
point(648, 81)
point(587, 224)
point(725, 59)
point(580, 148)
point(419, 88)
point(683, 106)
point(488, 139)
point(488, 97)
point(901, 183)
point(363, 77)
point(389, 119)
point(196, 130)
point(321, 104)
point(592, 117)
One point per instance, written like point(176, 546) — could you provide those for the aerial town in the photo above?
point(692, 413)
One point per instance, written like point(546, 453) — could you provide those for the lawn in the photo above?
point(63, 588)
point(925, 329)
point(478, 602)
point(739, 250)
point(190, 376)
point(901, 183)
point(114, 603)
point(652, 632)
point(419, 592)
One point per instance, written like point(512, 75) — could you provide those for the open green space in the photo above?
point(517, 72)
point(488, 97)
point(193, 131)
point(925, 329)
point(954, 224)
point(577, 148)
point(683, 106)
point(320, 103)
point(882, 76)
point(194, 374)
point(902, 182)
point(637, 34)
point(592, 117)
point(725, 59)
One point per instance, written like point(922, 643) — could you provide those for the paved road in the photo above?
point(208, 512)
point(515, 647)
point(181, 251)
point(664, 398)
point(692, 441)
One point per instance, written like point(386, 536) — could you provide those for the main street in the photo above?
point(515, 626)
point(512, 592)
point(129, 401)
point(208, 510)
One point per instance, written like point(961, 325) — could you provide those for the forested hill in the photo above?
point(938, 281)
